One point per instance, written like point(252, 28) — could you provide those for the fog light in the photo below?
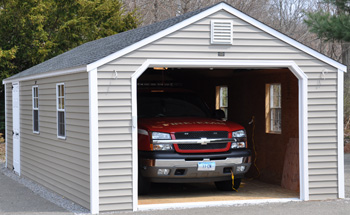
point(163, 171)
point(240, 168)
point(237, 145)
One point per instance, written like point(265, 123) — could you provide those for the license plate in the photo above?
point(206, 166)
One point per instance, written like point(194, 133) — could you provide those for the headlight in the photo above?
point(160, 136)
point(239, 133)
point(237, 145)
point(162, 147)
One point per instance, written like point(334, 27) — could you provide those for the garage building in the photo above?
point(71, 121)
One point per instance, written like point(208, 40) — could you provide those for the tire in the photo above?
point(227, 185)
point(144, 185)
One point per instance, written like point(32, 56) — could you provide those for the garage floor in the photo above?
point(177, 193)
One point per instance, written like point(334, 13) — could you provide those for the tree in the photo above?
point(333, 25)
point(32, 31)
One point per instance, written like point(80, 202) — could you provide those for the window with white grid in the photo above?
point(61, 111)
point(35, 107)
point(273, 108)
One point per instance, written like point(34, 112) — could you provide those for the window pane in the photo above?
point(36, 120)
point(62, 103)
point(59, 90)
point(61, 124)
point(276, 119)
point(36, 102)
point(223, 97)
point(276, 96)
point(62, 90)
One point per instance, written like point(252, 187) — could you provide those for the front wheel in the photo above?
point(227, 185)
point(144, 185)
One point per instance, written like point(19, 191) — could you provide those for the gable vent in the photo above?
point(221, 32)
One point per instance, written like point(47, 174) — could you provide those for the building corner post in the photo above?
point(93, 137)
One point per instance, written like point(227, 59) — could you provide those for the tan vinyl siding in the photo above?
point(9, 126)
point(193, 42)
point(60, 165)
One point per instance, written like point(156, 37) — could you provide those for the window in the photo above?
point(35, 99)
point(222, 99)
point(61, 111)
point(273, 108)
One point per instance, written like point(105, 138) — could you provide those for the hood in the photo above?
point(182, 124)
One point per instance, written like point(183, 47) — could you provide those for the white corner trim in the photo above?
point(188, 205)
point(229, 9)
point(6, 144)
point(19, 130)
point(303, 113)
point(93, 131)
point(340, 108)
point(47, 74)
point(134, 144)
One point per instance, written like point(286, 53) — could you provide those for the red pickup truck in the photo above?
point(181, 141)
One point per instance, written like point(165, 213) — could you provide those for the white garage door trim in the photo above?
point(293, 67)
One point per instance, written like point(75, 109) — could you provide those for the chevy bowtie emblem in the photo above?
point(204, 141)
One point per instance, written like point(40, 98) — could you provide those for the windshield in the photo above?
point(161, 104)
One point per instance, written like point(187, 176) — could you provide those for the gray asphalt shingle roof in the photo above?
point(92, 51)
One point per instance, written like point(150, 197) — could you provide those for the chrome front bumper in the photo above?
point(183, 171)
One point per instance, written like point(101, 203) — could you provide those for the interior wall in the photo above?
point(247, 99)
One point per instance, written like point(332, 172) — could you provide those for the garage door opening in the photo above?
point(266, 103)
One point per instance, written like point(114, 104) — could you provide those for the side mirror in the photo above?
point(219, 114)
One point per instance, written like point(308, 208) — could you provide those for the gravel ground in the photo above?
point(44, 193)
point(341, 206)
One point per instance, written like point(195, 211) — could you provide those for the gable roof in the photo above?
point(96, 53)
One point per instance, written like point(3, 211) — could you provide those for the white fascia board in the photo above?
point(303, 113)
point(229, 9)
point(340, 101)
point(6, 126)
point(47, 74)
point(93, 136)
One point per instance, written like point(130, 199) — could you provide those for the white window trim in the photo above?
point(303, 112)
point(34, 108)
point(212, 36)
point(61, 110)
